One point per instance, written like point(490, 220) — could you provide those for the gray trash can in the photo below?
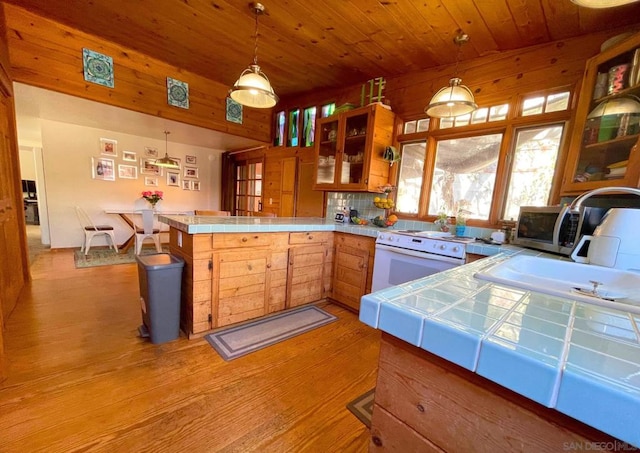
point(160, 278)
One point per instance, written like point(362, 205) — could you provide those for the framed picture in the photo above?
point(103, 168)
point(195, 185)
point(149, 167)
point(150, 181)
point(150, 152)
point(234, 111)
point(190, 172)
point(186, 185)
point(192, 160)
point(173, 178)
point(108, 147)
point(127, 172)
point(129, 156)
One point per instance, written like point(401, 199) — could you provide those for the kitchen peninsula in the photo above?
point(239, 268)
point(467, 365)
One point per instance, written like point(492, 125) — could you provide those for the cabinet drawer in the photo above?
point(310, 237)
point(353, 240)
point(243, 240)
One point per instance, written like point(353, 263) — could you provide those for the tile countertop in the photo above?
point(240, 224)
point(580, 359)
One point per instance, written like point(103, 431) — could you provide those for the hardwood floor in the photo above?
point(80, 378)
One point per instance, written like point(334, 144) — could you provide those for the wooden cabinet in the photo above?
point(605, 150)
point(309, 271)
point(425, 403)
point(349, 149)
point(229, 278)
point(352, 269)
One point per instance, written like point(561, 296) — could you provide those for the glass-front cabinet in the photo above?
point(350, 148)
point(605, 145)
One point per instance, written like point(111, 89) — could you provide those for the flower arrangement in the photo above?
point(152, 197)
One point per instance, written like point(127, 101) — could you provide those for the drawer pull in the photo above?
point(244, 239)
point(377, 441)
point(420, 407)
point(310, 237)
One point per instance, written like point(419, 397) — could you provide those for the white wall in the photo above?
point(67, 153)
point(27, 164)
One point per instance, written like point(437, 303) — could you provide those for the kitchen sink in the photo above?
point(598, 285)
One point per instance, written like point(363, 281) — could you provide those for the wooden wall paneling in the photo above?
point(309, 202)
point(289, 168)
point(47, 54)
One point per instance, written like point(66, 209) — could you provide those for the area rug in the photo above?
point(107, 257)
point(362, 407)
point(235, 342)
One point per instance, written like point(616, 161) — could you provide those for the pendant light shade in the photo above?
point(616, 106)
point(253, 88)
point(602, 3)
point(166, 161)
point(455, 99)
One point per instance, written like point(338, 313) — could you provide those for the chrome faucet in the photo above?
point(576, 204)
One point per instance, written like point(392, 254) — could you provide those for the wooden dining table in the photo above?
point(127, 216)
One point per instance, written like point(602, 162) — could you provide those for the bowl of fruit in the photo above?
point(383, 203)
point(382, 222)
point(359, 221)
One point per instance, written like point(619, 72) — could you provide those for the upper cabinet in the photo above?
point(604, 148)
point(349, 149)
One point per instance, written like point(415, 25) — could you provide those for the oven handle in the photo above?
point(424, 255)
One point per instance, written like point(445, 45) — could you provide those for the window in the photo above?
point(309, 126)
point(293, 138)
point(465, 175)
point(410, 177)
point(534, 160)
point(488, 163)
point(249, 187)
point(278, 140)
point(538, 104)
point(327, 110)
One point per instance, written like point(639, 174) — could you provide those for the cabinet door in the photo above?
point(306, 272)
point(327, 152)
point(241, 285)
point(349, 275)
point(604, 149)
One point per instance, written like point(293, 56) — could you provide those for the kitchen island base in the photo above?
point(425, 403)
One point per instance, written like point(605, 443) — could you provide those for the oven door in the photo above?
point(393, 266)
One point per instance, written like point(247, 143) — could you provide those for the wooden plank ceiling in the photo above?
point(305, 45)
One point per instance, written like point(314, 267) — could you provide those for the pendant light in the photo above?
point(166, 161)
point(455, 99)
point(602, 3)
point(253, 88)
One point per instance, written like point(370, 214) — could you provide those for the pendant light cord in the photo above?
point(255, 41)
point(166, 142)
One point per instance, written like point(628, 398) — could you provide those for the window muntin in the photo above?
point(536, 105)
point(465, 175)
point(410, 177)
point(533, 164)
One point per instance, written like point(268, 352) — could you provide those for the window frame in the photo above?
point(507, 127)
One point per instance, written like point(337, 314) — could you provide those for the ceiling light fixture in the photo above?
point(166, 161)
point(616, 106)
point(455, 99)
point(602, 3)
point(253, 88)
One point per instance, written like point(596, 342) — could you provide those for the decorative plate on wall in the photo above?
point(177, 93)
point(234, 111)
point(98, 68)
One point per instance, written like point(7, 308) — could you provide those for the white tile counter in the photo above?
point(580, 359)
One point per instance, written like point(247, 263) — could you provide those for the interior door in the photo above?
point(249, 187)
point(13, 246)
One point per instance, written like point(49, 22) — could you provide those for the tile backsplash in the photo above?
point(363, 203)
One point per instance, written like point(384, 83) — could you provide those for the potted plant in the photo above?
point(442, 221)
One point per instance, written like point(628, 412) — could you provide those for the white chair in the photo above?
point(147, 231)
point(92, 230)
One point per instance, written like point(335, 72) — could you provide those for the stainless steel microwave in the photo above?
point(555, 228)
